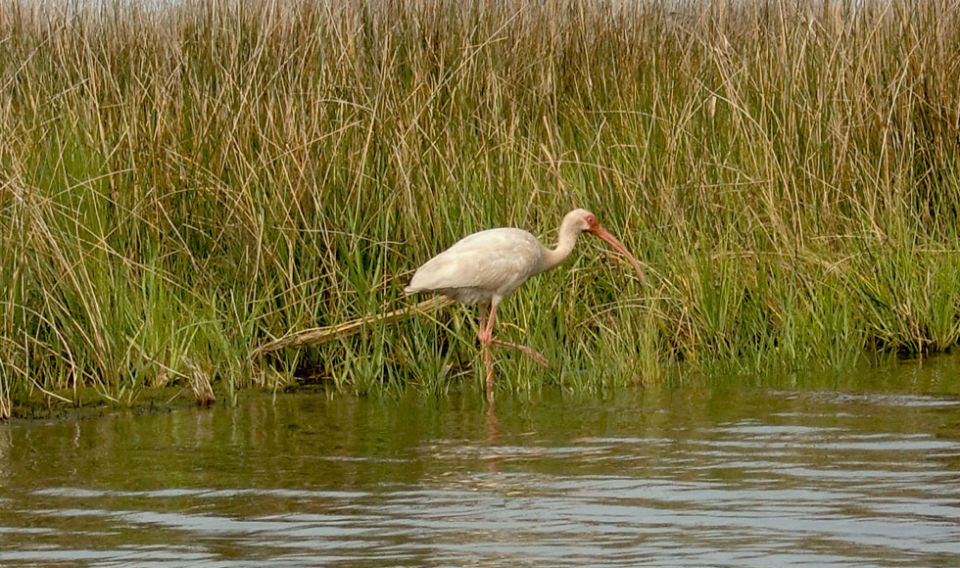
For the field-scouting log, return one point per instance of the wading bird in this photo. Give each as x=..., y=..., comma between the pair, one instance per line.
x=484, y=267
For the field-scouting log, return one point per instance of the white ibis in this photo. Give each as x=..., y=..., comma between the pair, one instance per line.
x=487, y=266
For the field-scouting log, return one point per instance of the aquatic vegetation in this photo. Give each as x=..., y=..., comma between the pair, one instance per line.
x=181, y=183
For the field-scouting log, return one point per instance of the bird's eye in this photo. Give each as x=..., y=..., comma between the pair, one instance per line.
x=591, y=220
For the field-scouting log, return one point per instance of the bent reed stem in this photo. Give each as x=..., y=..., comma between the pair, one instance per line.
x=320, y=335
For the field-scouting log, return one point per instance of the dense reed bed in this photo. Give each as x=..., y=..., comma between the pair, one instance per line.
x=181, y=182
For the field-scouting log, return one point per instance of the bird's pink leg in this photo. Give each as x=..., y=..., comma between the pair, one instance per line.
x=485, y=335
x=486, y=338
x=488, y=363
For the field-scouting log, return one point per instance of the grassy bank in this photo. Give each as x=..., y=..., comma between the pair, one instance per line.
x=181, y=184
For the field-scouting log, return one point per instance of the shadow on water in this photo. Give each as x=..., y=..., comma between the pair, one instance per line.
x=784, y=474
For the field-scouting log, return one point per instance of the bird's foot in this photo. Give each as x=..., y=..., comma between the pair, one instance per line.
x=524, y=349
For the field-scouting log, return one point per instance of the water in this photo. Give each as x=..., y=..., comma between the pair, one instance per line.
x=692, y=476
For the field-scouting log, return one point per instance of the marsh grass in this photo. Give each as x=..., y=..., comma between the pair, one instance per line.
x=182, y=182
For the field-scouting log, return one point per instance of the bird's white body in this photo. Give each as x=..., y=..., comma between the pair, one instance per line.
x=481, y=266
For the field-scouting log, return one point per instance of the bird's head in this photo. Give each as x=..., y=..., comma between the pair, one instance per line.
x=583, y=220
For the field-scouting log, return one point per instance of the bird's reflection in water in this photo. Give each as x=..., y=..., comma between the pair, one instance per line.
x=493, y=437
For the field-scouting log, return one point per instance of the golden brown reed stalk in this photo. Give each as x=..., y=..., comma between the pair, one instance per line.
x=200, y=384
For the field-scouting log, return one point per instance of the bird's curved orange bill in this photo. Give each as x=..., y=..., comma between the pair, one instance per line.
x=618, y=246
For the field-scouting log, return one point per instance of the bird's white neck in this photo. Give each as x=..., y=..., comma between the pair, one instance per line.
x=565, y=243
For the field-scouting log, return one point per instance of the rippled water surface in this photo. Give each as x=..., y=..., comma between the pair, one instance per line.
x=669, y=477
